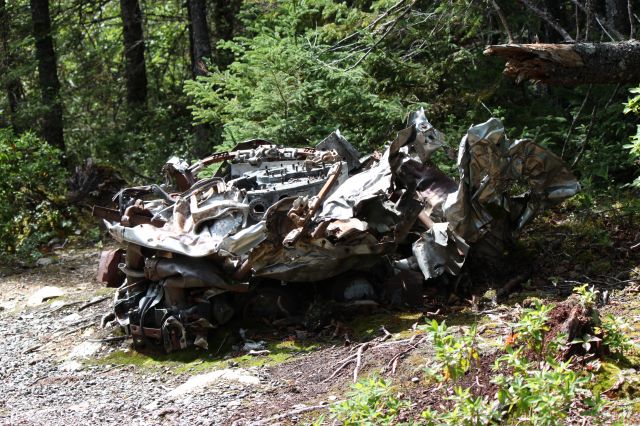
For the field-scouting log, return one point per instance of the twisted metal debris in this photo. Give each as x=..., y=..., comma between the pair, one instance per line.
x=196, y=251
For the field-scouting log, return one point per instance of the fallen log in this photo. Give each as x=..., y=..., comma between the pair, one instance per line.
x=571, y=64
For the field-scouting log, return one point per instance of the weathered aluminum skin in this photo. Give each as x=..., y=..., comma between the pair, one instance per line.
x=308, y=215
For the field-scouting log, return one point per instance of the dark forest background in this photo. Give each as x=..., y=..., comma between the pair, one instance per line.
x=99, y=93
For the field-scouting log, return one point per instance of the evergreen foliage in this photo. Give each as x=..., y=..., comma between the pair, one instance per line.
x=295, y=70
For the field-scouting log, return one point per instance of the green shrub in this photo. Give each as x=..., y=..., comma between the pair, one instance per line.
x=633, y=106
x=614, y=337
x=31, y=193
x=372, y=401
x=453, y=354
x=532, y=327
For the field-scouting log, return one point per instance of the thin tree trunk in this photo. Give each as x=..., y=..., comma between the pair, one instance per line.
x=52, y=128
x=135, y=68
x=200, y=52
x=12, y=84
x=618, y=15
x=224, y=24
x=200, y=34
x=571, y=64
x=554, y=9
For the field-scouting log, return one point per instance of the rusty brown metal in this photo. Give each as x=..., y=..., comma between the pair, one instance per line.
x=134, y=218
x=154, y=333
x=108, y=271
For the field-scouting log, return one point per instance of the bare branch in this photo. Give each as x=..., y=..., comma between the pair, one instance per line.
x=549, y=20
x=393, y=24
x=606, y=28
x=632, y=21
x=585, y=141
x=575, y=120
x=503, y=20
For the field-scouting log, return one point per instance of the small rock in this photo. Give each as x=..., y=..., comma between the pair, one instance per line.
x=85, y=350
x=44, y=261
x=250, y=345
x=44, y=294
x=57, y=304
x=415, y=380
x=71, y=318
x=70, y=366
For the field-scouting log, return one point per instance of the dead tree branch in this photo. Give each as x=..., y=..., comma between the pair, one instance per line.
x=608, y=29
x=571, y=64
x=503, y=20
x=549, y=20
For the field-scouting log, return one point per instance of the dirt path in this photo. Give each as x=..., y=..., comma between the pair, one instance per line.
x=48, y=361
x=55, y=365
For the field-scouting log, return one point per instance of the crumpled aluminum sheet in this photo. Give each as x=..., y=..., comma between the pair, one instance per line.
x=296, y=215
x=368, y=214
x=216, y=224
x=439, y=250
x=489, y=166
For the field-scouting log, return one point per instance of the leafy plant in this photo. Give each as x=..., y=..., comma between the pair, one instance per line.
x=633, y=106
x=371, y=401
x=540, y=395
x=585, y=341
x=467, y=411
x=614, y=336
x=586, y=294
x=31, y=192
x=532, y=327
x=453, y=354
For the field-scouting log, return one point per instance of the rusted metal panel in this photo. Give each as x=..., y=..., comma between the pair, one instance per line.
x=108, y=271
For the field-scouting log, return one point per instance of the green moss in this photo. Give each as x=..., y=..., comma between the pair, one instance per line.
x=606, y=377
x=368, y=326
x=194, y=360
x=103, y=291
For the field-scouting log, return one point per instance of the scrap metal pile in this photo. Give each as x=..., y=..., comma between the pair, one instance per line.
x=197, y=251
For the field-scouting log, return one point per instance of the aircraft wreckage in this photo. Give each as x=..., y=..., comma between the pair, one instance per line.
x=272, y=220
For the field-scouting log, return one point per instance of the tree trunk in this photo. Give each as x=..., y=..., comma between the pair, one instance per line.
x=554, y=9
x=224, y=23
x=571, y=64
x=12, y=84
x=200, y=50
x=48, y=74
x=618, y=16
x=135, y=68
x=200, y=35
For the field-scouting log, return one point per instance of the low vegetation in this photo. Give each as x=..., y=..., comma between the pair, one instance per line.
x=531, y=381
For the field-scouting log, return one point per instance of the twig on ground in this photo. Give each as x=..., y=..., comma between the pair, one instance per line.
x=393, y=362
x=361, y=349
x=224, y=339
x=511, y=284
x=386, y=334
x=82, y=327
x=31, y=349
x=66, y=305
x=109, y=339
x=92, y=302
